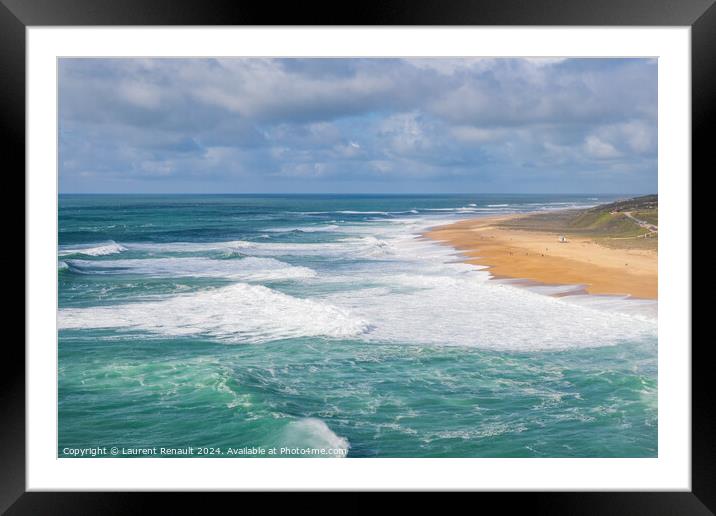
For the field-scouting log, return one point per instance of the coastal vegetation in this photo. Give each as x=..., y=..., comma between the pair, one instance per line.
x=626, y=224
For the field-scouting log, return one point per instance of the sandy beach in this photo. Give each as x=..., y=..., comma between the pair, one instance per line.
x=539, y=256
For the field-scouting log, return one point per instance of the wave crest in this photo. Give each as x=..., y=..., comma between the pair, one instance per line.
x=110, y=247
x=314, y=433
x=250, y=268
x=239, y=313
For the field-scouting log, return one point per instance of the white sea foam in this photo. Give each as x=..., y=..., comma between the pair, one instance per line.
x=347, y=247
x=388, y=285
x=244, y=269
x=642, y=308
x=239, y=313
x=313, y=433
x=367, y=247
x=242, y=246
x=470, y=311
x=103, y=249
x=349, y=212
x=352, y=212
x=472, y=208
x=426, y=297
x=306, y=229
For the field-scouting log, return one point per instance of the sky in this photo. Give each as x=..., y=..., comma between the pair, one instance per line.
x=324, y=125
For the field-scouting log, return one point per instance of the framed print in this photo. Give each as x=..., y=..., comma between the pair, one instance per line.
x=427, y=244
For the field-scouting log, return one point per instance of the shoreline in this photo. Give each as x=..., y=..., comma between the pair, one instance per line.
x=538, y=256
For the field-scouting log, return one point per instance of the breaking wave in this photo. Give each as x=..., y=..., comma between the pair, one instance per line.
x=249, y=268
x=239, y=313
x=110, y=247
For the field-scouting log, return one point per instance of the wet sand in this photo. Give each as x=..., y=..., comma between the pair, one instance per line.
x=539, y=256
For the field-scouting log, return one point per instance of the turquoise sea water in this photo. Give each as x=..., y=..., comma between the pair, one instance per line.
x=327, y=323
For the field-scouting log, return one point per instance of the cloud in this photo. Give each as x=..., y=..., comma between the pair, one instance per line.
x=600, y=149
x=471, y=134
x=246, y=124
x=140, y=94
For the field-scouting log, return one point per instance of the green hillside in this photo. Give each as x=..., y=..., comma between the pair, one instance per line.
x=628, y=223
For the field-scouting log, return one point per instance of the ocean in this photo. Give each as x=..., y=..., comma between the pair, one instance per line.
x=325, y=325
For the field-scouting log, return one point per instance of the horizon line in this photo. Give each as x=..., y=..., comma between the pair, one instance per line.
x=357, y=193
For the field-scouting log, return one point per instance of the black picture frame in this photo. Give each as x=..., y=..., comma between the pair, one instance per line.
x=16, y=15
